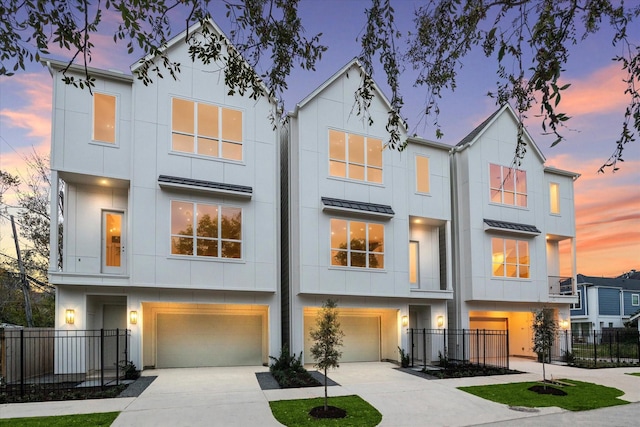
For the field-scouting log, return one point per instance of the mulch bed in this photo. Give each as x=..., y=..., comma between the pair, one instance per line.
x=331, y=412
x=267, y=382
x=541, y=389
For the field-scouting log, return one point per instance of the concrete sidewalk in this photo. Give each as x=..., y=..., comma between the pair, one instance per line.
x=232, y=397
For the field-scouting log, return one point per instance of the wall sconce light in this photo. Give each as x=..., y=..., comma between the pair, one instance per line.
x=133, y=317
x=70, y=316
x=564, y=324
x=440, y=321
x=405, y=320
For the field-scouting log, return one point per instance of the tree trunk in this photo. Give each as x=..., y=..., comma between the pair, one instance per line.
x=326, y=407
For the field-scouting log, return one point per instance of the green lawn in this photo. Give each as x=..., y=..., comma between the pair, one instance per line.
x=80, y=420
x=636, y=374
x=580, y=397
x=296, y=412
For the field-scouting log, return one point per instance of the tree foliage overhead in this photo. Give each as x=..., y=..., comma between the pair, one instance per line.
x=530, y=40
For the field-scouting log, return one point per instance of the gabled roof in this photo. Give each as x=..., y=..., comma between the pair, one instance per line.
x=354, y=63
x=476, y=133
x=614, y=282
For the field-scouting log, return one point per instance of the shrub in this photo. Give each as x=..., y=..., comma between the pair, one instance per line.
x=404, y=358
x=288, y=370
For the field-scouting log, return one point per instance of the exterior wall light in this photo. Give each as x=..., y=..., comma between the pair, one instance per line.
x=405, y=321
x=440, y=321
x=564, y=324
x=133, y=317
x=70, y=316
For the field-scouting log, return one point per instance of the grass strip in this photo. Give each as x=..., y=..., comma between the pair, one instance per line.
x=296, y=412
x=80, y=420
x=581, y=396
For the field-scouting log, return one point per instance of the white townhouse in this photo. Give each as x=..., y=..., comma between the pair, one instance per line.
x=365, y=225
x=513, y=225
x=171, y=219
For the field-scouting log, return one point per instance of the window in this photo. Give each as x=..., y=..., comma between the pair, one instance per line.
x=508, y=186
x=635, y=299
x=554, y=194
x=357, y=244
x=104, y=118
x=422, y=174
x=510, y=258
x=205, y=129
x=577, y=306
x=355, y=156
x=217, y=233
x=414, y=256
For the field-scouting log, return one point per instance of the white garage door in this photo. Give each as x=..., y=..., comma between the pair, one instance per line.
x=361, y=338
x=191, y=340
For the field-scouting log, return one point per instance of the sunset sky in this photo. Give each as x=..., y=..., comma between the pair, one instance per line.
x=607, y=205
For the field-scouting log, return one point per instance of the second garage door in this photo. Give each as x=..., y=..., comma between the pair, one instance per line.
x=361, y=338
x=192, y=340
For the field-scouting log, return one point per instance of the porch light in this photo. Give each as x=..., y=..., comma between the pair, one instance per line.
x=564, y=324
x=440, y=321
x=405, y=320
x=133, y=317
x=70, y=316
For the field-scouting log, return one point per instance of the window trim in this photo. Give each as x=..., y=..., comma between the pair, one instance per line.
x=502, y=189
x=577, y=306
x=504, y=262
x=194, y=236
x=346, y=161
x=637, y=298
x=428, y=159
x=116, y=119
x=196, y=137
x=348, y=250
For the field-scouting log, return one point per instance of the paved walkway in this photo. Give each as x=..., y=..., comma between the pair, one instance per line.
x=232, y=397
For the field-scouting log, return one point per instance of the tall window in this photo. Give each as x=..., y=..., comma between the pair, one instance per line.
x=414, y=256
x=357, y=244
x=508, y=186
x=104, y=118
x=635, y=299
x=554, y=195
x=510, y=258
x=206, y=129
x=355, y=156
x=200, y=229
x=422, y=174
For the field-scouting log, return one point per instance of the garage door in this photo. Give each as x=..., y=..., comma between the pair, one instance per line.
x=361, y=338
x=191, y=340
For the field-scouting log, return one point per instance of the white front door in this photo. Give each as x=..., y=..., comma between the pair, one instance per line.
x=113, y=239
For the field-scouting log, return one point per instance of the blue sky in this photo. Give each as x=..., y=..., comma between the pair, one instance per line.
x=607, y=206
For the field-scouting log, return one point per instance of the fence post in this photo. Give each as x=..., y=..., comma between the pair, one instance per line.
x=22, y=362
x=507, y=348
x=464, y=345
x=102, y=359
x=444, y=343
x=117, y=356
x=412, y=345
x=595, y=348
x=424, y=348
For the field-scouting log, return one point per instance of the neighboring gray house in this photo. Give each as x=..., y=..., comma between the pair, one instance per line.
x=604, y=302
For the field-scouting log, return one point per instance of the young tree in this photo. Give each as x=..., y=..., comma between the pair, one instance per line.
x=545, y=329
x=327, y=337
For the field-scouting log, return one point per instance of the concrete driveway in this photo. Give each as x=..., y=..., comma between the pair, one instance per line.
x=232, y=397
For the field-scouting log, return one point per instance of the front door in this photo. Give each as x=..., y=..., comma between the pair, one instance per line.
x=113, y=239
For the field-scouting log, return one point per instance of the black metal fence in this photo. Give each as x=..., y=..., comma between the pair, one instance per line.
x=45, y=361
x=475, y=346
x=608, y=346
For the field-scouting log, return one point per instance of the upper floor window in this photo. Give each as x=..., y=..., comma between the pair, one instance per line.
x=422, y=174
x=554, y=197
x=206, y=129
x=635, y=299
x=104, y=118
x=508, y=185
x=355, y=156
x=357, y=244
x=510, y=258
x=200, y=229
